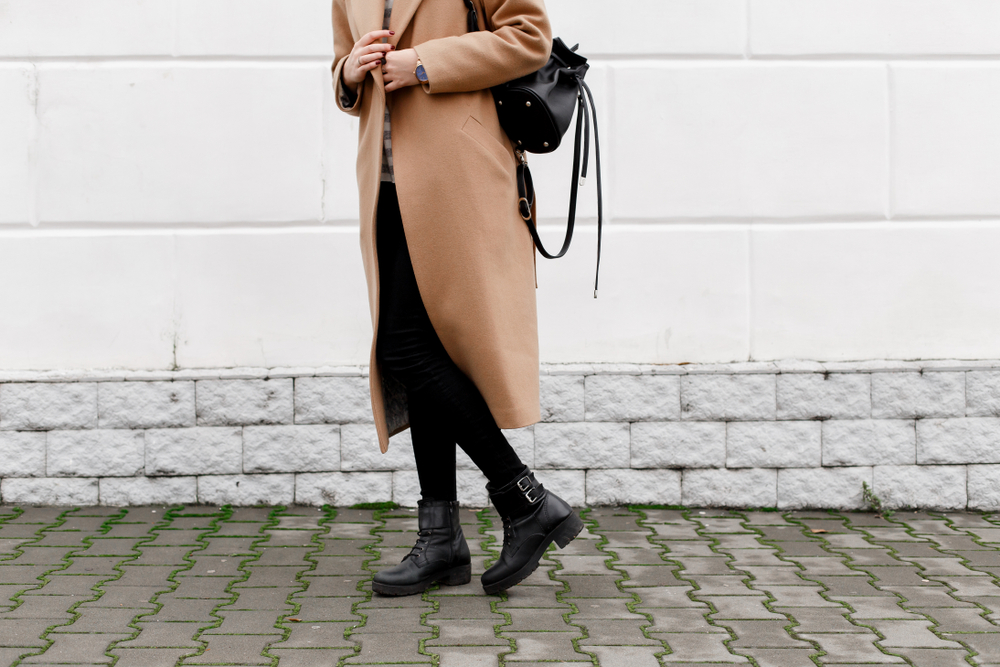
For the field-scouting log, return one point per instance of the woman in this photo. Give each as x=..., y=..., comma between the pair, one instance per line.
x=450, y=267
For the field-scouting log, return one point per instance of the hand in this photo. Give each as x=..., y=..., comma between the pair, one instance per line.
x=367, y=54
x=397, y=72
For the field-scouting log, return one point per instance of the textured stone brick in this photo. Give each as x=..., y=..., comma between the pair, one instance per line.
x=522, y=440
x=678, y=445
x=942, y=487
x=359, y=450
x=570, y=485
x=22, y=454
x=618, y=487
x=291, y=448
x=343, y=488
x=822, y=487
x=753, y=487
x=562, y=398
x=824, y=396
x=145, y=404
x=582, y=445
x=982, y=394
x=244, y=402
x=984, y=487
x=49, y=491
x=332, y=400
x=971, y=440
x=122, y=491
x=41, y=406
x=194, y=451
x=246, y=489
x=918, y=395
x=99, y=453
x=728, y=397
x=867, y=442
x=616, y=398
x=773, y=444
x=469, y=484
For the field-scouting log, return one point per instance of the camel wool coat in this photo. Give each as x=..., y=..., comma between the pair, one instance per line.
x=455, y=171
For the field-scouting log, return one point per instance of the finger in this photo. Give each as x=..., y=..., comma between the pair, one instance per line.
x=374, y=36
x=379, y=47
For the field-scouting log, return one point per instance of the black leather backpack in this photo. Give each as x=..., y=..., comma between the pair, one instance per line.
x=536, y=111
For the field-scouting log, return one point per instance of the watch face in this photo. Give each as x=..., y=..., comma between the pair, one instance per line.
x=421, y=74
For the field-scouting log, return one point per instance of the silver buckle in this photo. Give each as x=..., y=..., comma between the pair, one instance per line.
x=525, y=486
x=527, y=495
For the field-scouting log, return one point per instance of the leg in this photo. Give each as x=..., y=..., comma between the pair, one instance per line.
x=452, y=408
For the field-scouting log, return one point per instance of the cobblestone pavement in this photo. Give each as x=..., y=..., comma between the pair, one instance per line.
x=291, y=586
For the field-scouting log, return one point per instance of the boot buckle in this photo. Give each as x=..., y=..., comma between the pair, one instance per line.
x=525, y=487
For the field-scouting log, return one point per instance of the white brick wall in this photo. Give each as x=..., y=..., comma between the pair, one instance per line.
x=170, y=168
x=628, y=447
x=177, y=191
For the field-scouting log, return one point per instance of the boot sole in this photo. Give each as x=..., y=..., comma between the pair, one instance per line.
x=562, y=535
x=456, y=576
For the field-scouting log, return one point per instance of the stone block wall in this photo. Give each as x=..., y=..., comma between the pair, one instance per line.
x=782, y=434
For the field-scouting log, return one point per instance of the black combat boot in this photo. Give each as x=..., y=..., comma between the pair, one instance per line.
x=440, y=553
x=532, y=519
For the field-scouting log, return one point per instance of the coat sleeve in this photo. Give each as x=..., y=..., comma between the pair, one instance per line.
x=519, y=44
x=343, y=42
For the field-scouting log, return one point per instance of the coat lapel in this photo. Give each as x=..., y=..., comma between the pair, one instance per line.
x=402, y=12
x=368, y=14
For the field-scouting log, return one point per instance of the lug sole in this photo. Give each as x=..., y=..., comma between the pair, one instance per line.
x=562, y=535
x=456, y=576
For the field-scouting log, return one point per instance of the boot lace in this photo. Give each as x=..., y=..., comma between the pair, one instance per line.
x=423, y=540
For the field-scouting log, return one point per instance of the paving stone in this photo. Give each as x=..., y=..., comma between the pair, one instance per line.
x=175, y=609
x=698, y=648
x=743, y=607
x=477, y=632
x=529, y=620
x=80, y=586
x=234, y=650
x=878, y=607
x=384, y=648
x=99, y=620
x=912, y=634
x=934, y=657
x=667, y=597
x=626, y=656
x=763, y=634
x=784, y=657
x=261, y=599
x=762, y=577
x=849, y=649
x=149, y=657
x=136, y=597
x=322, y=657
x=464, y=656
x=798, y=596
x=986, y=645
x=591, y=586
x=24, y=632
x=329, y=586
x=959, y=620
x=547, y=646
x=41, y=606
x=674, y=620
x=84, y=648
x=164, y=635
x=326, y=634
x=824, y=620
x=203, y=588
x=925, y=596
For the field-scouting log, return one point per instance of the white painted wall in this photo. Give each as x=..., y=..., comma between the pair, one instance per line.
x=784, y=179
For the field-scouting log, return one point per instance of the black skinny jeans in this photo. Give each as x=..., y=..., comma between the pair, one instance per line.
x=445, y=406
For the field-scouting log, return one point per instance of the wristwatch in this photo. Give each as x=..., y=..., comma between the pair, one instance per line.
x=420, y=72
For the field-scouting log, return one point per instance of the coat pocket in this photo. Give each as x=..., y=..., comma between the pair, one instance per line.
x=481, y=136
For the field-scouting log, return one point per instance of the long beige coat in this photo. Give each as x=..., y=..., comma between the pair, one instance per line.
x=455, y=178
